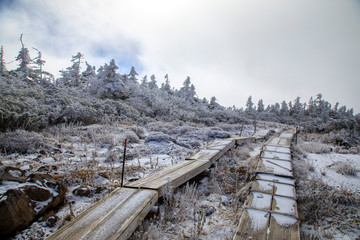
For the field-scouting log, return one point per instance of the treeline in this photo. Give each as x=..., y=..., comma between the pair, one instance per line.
x=33, y=99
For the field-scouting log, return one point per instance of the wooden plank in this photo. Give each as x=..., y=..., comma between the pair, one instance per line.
x=172, y=176
x=243, y=140
x=114, y=217
x=276, y=167
x=283, y=227
x=284, y=205
x=278, y=189
x=274, y=178
x=276, y=155
x=222, y=145
x=259, y=200
x=206, y=154
x=253, y=225
x=276, y=149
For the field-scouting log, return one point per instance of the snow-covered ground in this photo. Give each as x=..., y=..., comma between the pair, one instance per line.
x=328, y=188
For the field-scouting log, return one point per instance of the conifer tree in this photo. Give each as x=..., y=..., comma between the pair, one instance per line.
x=24, y=60
x=3, y=69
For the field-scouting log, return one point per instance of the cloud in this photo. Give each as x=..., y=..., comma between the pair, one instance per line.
x=231, y=49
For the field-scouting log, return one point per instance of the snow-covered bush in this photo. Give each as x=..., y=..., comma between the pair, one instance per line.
x=131, y=137
x=158, y=137
x=314, y=147
x=213, y=134
x=346, y=169
x=20, y=141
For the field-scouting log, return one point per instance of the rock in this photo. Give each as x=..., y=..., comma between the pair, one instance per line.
x=16, y=212
x=52, y=220
x=82, y=191
x=13, y=174
x=37, y=193
x=57, y=190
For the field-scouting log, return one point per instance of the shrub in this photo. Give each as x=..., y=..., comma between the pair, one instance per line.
x=131, y=137
x=313, y=147
x=157, y=137
x=20, y=141
x=346, y=169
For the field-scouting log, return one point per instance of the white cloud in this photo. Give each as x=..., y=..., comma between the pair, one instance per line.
x=275, y=50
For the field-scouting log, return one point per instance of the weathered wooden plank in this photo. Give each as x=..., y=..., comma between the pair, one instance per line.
x=243, y=140
x=276, y=167
x=259, y=200
x=173, y=176
x=222, y=145
x=274, y=178
x=253, y=225
x=283, y=227
x=284, y=205
x=114, y=217
x=277, y=149
x=278, y=189
x=276, y=155
x=206, y=154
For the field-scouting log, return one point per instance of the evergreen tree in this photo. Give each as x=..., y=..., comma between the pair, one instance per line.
x=249, y=105
x=152, y=84
x=261, y=107
x=166, y=86
x=132, y=75
x=24, y=60
x=144, y=82
x=71, y=76
x=284, y=110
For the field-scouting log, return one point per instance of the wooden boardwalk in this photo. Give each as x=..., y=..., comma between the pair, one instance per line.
x=270, y=211
x=117, y=215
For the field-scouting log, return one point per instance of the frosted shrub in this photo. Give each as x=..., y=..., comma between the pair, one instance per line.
x=131, y=137
x=157, y=137
x=346, y=169
x=313, y=147
x=139, y=131
x=213, y=134
x=20, y=141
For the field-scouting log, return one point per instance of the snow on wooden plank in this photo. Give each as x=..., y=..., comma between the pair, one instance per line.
x=274, y=178
x=276, y=155
x=222, y=145
x=259, y=200
x=206, y=154
x=253, y=225
x=279, y=142
x=284, y=205
x=274, y=188
x=283, y=227
x=276, y=167
x=277, y=149
x=114, y=217
x=172, y=176
x=262, y=134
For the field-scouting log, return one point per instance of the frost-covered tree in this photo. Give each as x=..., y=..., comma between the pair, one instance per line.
x=261, y=107
x=284, y=110
x=152, y=84
x=166, y=86
x=3, y=69
x=213, y=103
x=144, y=82
x=132, y=75
x=24, y=60
x=249, y=105
x=109, y=83
x=187, y=91
x=71, y=76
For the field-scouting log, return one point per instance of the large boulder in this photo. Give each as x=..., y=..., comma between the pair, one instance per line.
x=16, y=212
x=21, y=206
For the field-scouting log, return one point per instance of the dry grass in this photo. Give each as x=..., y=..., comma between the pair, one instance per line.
x=315, y=147
x=346, y=169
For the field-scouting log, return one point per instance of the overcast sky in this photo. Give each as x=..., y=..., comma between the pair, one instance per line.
x=272, y=50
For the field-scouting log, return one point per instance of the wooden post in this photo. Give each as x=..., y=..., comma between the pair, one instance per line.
x=242, y=127
x=296, y=133
x=123, y=168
